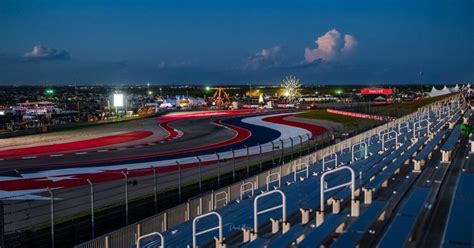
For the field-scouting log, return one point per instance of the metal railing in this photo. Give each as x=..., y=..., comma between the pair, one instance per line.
x=96, y=197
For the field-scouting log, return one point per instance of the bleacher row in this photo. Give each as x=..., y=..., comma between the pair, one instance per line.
x=459, y=231
x=298, y=219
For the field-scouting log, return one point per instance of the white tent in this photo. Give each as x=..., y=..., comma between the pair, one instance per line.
x=454, y=89
x=435, y=92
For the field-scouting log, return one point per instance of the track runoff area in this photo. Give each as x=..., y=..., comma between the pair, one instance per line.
x=29, y=171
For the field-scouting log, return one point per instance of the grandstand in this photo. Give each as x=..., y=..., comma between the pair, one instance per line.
x=372, y=190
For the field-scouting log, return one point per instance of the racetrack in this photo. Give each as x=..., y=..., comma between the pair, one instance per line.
x=192, y=135
x=208, y=146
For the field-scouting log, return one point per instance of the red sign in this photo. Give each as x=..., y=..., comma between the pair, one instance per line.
x=376, y=91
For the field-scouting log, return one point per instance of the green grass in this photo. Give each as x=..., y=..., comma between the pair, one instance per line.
x=349, y=123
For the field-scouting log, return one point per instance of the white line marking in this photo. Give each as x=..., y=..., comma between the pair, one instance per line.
x=29, y=157
x=81, y=153
x=102, y=150
x=56, y=155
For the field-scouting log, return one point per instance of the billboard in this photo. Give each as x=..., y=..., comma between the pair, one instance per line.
x=118, y=100
x=376, y=91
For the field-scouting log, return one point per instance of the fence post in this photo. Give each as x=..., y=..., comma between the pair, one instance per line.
x=92, y=208
x=107, y=241
x=51, y=195
x=273, y=154
x=200, y=178
x=233, y=165
x=126, y=196
x=248, y=162
x=301, y=144
x=260, y=155
x=292, y=148
x=155, y=189
x=179, y=180
x=282, y=151
x=218, y=170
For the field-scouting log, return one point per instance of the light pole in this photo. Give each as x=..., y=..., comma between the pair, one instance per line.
x=92, y=207
x=126, y=196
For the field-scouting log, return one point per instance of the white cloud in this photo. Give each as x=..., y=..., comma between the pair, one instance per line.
x=349, y=43
x=330, y=47
x=46, y=53
x=265, y=58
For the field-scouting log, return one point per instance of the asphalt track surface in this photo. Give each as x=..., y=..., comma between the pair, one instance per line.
x=201, y=136
x=205, y=135
x=76, y=145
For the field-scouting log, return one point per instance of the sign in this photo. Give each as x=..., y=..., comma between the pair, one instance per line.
x=376, y=91
x=118, y=100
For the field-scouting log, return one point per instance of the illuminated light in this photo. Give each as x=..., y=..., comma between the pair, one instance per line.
x=49, y=91
x=2, y=112
x=338, y=92
x=150, y=92
x=118, y=100
x=208, y=88
x=292, y=87
x=376, y=91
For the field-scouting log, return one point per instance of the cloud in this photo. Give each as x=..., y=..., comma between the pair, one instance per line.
x=46, y=53
x=267, y=57
x=330, y=47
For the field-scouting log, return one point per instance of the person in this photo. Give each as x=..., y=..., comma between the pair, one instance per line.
x=465, y=129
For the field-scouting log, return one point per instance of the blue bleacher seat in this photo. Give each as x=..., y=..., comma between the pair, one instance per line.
x=452, y=139
x=319, y=234
x=258, y=243
x=402, y=225
x=351, y=236
x=459, y=229
x=423, y=154
x=285, y=240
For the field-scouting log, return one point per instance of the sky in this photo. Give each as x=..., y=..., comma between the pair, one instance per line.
x=236, y=42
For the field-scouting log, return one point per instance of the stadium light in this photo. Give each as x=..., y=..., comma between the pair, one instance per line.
x=49, y=92
x=208, y=88
x=118, y=100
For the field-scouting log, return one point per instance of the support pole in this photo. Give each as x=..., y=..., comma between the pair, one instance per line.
x=248, y=162
x=155, y=189
x=126, y=196
x=51, y=195
x=233, y=165
x=179, y=180
x=92, y=207
x=200, y=171
x=218, y=170
x=282, y=151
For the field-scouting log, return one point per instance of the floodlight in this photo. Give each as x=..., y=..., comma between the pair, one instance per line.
x=118, y=100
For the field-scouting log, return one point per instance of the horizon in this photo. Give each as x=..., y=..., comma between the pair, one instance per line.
x=236, y=42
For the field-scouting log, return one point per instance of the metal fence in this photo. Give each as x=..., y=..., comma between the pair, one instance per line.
x=205, y=203
x=71, y=215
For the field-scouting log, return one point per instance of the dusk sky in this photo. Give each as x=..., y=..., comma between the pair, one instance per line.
x=236, y=42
